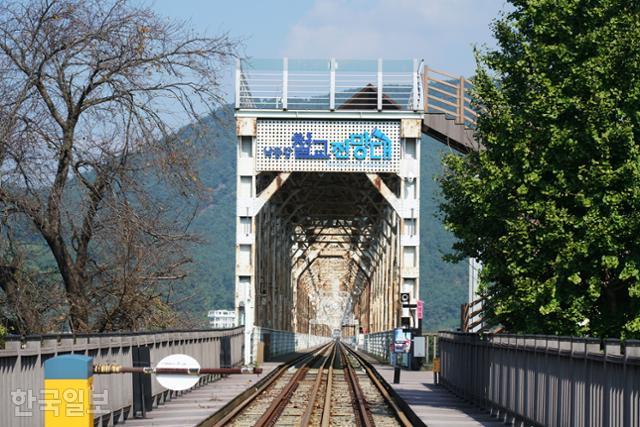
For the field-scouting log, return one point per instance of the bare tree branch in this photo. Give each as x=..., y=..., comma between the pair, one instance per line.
x=89, y=91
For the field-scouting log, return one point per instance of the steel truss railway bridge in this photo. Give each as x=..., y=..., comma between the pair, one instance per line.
x=327, y=244
x=328, y=205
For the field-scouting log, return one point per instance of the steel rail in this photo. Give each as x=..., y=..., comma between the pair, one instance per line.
x=280, y=402
x=360, y=403
x=398, y=412
x=306, y=417
x=252, y=397
x=326, y=410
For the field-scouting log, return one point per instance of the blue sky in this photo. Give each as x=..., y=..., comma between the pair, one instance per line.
x=443, y=32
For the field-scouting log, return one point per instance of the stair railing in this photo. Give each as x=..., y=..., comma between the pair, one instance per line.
x=447, y=94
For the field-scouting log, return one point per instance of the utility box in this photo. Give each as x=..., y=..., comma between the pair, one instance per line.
x=419, y=347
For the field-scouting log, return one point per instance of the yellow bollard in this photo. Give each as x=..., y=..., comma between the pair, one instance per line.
x=436, y=370
x=68, y=384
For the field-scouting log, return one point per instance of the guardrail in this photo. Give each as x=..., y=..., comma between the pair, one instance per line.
x=378, y=344
x=275, y=342
x=448, y=94
x=328, y=84
x=472, y=317
x=116, y=397
x=350, y=84
x=545, y=380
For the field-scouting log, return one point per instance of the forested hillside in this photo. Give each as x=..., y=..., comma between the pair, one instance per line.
x=211, y=283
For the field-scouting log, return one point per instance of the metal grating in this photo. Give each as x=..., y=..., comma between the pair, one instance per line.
x=335, y=145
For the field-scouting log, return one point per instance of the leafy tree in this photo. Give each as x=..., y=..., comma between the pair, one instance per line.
x=551, y=205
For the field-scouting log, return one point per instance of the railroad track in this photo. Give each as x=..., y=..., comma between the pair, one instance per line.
x=332, y=386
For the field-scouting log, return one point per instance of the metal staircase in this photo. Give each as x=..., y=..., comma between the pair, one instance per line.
x=448, y=116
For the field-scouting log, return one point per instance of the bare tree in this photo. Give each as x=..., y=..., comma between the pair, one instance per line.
x=30, y=301
x=92, y=94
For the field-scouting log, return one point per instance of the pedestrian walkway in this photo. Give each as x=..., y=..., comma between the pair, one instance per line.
x=195, y=406
x=435, y=406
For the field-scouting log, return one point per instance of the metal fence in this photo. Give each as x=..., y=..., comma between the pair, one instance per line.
x=448, y=94
x=22, y=368
x=328, y=84
x=378, y=344
x=545, y=380
x=277, y=343
x=352, y=84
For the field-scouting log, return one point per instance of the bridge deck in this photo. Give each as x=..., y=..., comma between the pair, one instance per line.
x=433, y=403
x=193, y=407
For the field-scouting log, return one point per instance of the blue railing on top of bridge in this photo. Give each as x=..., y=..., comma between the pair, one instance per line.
x=328, y=84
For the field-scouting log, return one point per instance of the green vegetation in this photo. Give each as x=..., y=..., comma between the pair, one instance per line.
x=444, y=286
x=551, y=206
x=210, y=281
x=3, y=333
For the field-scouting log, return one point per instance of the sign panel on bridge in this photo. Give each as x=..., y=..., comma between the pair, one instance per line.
x=328, y=145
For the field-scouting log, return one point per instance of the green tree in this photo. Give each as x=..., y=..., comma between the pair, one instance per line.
x=551, y=207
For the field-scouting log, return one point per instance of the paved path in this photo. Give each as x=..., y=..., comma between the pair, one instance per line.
x=432, y=403
x=435, y=406
x=196, y=405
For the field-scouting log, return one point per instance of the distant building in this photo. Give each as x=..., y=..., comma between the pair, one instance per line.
x=219, y=319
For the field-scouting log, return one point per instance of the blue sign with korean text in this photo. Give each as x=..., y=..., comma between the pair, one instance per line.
x=319, y=145
x=357, y=146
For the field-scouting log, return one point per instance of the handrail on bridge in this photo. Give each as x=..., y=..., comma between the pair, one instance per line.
x=449, y=95
x=118, y=397
x=330, y=84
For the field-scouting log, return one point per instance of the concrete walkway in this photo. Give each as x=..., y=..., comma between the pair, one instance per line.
x=435, y=406
x=195, y=406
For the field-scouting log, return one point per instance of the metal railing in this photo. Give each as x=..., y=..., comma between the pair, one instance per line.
x=378, y=344
x=277, y=343
x=22, y=371
x=328, y=84
x=544, y=380
x=448, y=94
x=472, y=317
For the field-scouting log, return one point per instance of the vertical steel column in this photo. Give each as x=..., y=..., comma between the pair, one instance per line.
x=246, y=243
x=416, y=96
x=425, y=88
x=461, y=101
x=332, y=84
x=238, y=80
x=410, y=214
x=380, y=83
x=285, y=83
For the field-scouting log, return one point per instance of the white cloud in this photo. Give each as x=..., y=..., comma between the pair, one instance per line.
x=440, y=31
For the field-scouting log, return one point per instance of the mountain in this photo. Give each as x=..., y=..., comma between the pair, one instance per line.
x=211, y=282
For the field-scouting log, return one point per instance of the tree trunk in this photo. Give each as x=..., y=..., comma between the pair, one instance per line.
x=74, y=284
x=27, y=316
x=78, y=311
